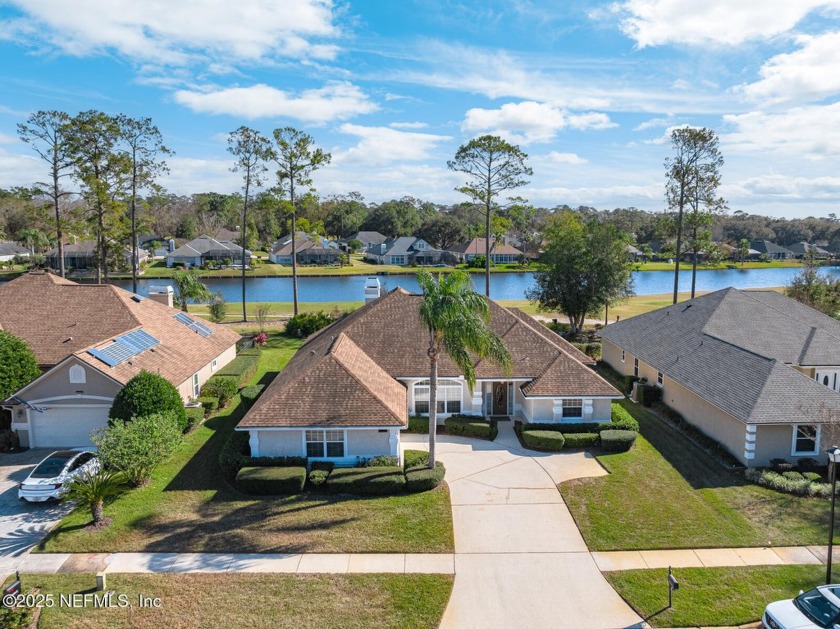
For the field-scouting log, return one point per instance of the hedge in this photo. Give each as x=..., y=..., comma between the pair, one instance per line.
x=422, y=478
x=470, y=427
x=195, y=415
x=419, y=425
x=802, y=486
x=243, y=367
x=549, y=440
x=222, y=387
x=382, y=460
x=318, y=478
x=415, y=458
x=368, y=481
x=622, y=419
x=580, y=439
x=250, y=394
x=236, y=454
x=618, y=440
x=270, y=481
x=649, y=394
x=306, y=323
x=210, y=404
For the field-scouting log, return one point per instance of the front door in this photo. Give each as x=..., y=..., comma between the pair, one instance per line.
x=500, y=402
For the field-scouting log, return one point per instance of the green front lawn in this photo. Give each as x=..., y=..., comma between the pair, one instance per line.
x=668, y=493
x=253, y=600
x=189, y=507
x=712, y=596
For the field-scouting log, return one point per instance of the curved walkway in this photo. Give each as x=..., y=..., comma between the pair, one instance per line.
x=520, y=560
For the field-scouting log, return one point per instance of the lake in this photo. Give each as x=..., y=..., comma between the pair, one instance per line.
x=502, y=285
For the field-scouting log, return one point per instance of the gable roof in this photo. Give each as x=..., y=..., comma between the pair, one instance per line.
x=12, y=249
x=402, y=245
x=476, y=246
x=768, y=247
x=204, y=245
x=59, y=318
x=367, y=238
x=734, y=349
x=802, y=248
x=283, y=245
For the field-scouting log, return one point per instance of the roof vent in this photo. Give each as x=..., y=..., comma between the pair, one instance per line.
x=137, y=298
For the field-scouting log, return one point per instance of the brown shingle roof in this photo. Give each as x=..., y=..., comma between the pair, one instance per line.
x=57, y=318
x=476, y=246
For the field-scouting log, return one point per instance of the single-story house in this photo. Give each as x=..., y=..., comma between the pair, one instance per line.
x=11, y=250
x=81, y=256
x=89, y=341
x=500, y=253
x=309, y=250
x=367, y=238
x=754, y=370
x=404, y=250
x=771, y=250
x=348, y=392
x=803, y=249
x=634, y=254
x=204, y=249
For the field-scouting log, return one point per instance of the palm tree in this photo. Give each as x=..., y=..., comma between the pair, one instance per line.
x=457, y=319
x=188, y=286
x=92, y=488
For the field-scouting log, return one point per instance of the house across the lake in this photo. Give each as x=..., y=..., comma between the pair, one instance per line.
x=404, y=250
x=89, y=341
x=11, y=250
x=348, y=392
x=311, y=249
x=204, y=249
x=755, y=370
x=500, y=252
x=81, y=256
x=771, y=250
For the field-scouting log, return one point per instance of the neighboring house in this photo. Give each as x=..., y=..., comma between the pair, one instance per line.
x=634, y=254
x=205, y=249
x=11, y=250
x=803, y=249
x=404, y=250
x=310, y=250
x=349, y=390
x=90, y=340
x=81, y=256
x=771, y=250
x=754, y=370
x=366, y=238
x=500, y=253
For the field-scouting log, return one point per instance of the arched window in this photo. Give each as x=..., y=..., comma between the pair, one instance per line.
x=78, y=375
x=449, y=393
x=825, y=380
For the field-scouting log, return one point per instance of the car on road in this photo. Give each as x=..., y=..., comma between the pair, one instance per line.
x=50, y=478
x=816, y=608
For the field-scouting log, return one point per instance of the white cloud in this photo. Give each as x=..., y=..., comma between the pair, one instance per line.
x=777, y=187
x=381, y=145
x=810, y=133
x=564, y=158
x=8, y=139
x=530, y=121
x=806, y=74
x=335, y=101
x=654, y=123
x=177, y=32
x=408, y=125
x=658, y=22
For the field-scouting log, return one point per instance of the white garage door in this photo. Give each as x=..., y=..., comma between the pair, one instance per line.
x=66, y=426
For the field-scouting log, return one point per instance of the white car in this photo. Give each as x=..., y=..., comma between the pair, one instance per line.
x=48, y=481
x=817, y=608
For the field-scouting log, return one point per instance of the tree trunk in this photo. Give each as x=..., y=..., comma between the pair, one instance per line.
x=100, y=247
x=433, y=370
x=134, y=227
x=59, y=233
x=96, y=512
x=694, y=265
x=242, y=243
x=679, y=243
x=294, y=251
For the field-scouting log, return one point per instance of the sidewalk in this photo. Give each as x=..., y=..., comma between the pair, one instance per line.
x=711, y=557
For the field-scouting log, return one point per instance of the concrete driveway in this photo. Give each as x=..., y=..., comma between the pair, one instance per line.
x=22, y=524
x=520, y=560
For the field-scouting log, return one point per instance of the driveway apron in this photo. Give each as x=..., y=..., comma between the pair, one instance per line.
x=520, y=560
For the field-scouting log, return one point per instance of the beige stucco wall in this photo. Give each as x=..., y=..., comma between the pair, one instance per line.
x=367, y=443
x=281, y=443
x=56, y=383
x=776, y=441
x=542, y=410
x=611, y=354
x=186, y=387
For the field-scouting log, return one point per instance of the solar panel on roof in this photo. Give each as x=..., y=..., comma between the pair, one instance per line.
x=192, y=324
x=124, y=347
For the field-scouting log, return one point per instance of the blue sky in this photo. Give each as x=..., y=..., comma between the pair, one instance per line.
x=589, y=90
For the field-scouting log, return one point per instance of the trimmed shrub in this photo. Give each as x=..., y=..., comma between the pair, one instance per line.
x=271, y=481
x=622, y=419
x=806, y=465
x=779, y=482
x=628, y=383
x=308, y=323
x=242, y=368
x=366, y=481
x=793, y=475
x=236, y=454
x=580, y=439
x=250, y=394
x=814, y=477
x=221, y=387
x=209, y=403
x=415, y=458
x=318, y=478
x=145, y=394
x=618, y=440
x=136, y=447
x=422, y=478
x=548, y=440
x=195, y=415
x=419, y=425
x=324, y=466
x=470, y=427
x=649, y=394
x=781, y=465
x=380, y=461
